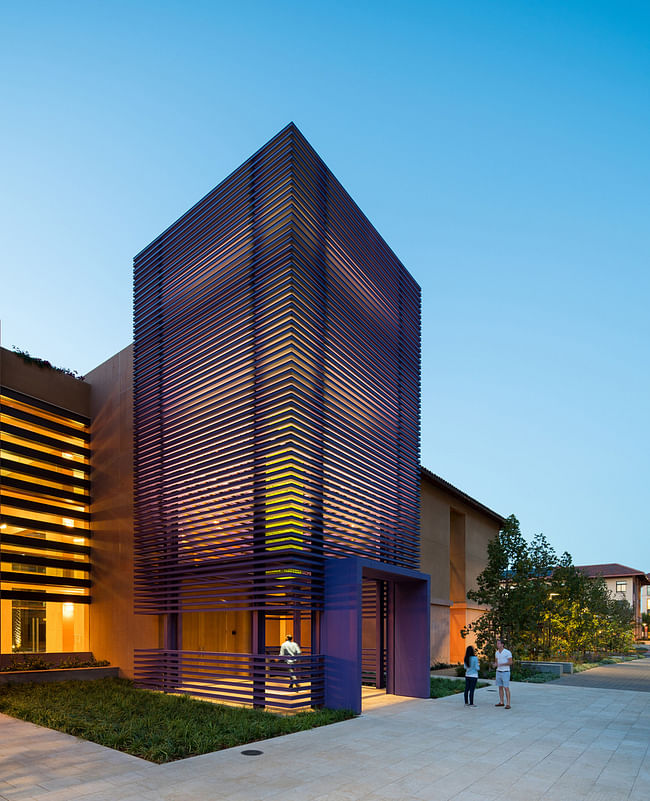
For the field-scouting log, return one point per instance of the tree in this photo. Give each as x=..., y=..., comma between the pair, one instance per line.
x=513, y=584
x=542, y=605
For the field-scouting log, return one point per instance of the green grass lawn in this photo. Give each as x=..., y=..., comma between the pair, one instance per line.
x=441, y=687
x=154, y=726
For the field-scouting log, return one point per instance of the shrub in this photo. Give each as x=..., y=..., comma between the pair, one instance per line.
x=441, y=687
x=29, y=662
x=486, y=670
x=35, y=360
x=80, y=663
x=146, y=724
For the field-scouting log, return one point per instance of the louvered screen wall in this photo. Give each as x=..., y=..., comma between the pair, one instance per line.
x=276, y=393
x=44, y=525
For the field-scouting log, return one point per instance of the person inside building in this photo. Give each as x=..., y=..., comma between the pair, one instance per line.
x=290, y=650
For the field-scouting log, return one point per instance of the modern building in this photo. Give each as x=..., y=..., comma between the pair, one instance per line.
x=248, y=468
x=276, y=400
x=624, y=583
x=44, y=509
x=455, y=530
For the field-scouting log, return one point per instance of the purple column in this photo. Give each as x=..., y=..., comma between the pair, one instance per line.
x=341, y=630
x=341, y=634
x=411, y=655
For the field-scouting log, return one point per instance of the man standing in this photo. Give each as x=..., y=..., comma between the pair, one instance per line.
x=290, y=650
x=502, y=662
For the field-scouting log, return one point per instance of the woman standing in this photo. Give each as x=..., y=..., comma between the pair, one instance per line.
x=471, y=675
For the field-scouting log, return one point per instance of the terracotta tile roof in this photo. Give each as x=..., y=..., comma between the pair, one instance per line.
x=612, y=570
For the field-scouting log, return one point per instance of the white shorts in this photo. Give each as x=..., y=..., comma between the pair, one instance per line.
x=503, y=678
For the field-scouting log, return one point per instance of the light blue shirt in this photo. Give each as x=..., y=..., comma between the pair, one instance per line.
x=472, y=671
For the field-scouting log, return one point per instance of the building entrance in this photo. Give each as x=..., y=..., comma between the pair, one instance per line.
x=28, y=626
x=397, y=638
x=374, y=652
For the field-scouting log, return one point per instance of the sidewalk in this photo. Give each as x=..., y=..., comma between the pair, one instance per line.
x=633, y=675
x=557, y=743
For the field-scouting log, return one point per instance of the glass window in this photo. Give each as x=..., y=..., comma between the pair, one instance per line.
x=28, y=626
x=621, y=586
x=52, y=626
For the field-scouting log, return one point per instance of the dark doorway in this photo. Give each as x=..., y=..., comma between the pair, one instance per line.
x=374, y=651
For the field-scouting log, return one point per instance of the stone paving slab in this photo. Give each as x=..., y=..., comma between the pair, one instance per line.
x=557, y=743
x=633, y=675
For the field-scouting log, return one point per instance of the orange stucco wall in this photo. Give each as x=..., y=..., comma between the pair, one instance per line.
x=114, y=628
x=453, y=551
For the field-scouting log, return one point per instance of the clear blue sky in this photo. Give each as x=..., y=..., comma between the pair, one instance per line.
x=501, y=149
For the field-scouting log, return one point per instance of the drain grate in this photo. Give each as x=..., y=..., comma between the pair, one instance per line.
x=252, y=752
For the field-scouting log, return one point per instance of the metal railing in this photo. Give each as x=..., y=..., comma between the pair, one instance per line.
x=249, y=679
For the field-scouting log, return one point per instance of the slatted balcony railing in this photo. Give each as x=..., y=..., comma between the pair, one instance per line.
x=250, y=679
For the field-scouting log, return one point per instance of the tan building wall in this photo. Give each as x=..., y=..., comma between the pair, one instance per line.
x=628, y=594
x=455, y=531
x=632, y=594
x=114, y=628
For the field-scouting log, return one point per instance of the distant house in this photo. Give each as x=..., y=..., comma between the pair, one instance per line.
x=454, y=533
x=645, y=596
x=625, y=584
x=645, y=604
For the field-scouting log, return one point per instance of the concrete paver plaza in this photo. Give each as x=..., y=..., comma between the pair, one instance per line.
x=559, y=742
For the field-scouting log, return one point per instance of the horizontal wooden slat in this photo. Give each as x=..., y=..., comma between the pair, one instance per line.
x=52, y=597
x=254, y=679
x=25, y=541
x=39, y=403
x=276, y=393
x=38, y=560
x=38, y=578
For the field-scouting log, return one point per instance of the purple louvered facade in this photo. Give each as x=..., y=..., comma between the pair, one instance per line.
x=277, y=374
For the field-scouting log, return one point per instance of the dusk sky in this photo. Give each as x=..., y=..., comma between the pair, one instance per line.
x=500, y=148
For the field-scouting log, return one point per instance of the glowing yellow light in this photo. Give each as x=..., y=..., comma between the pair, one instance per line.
x=68, y=610
x=78, y=540
x=282, y=573
x=68, y=522
x=4, y=525
x=67, y=455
